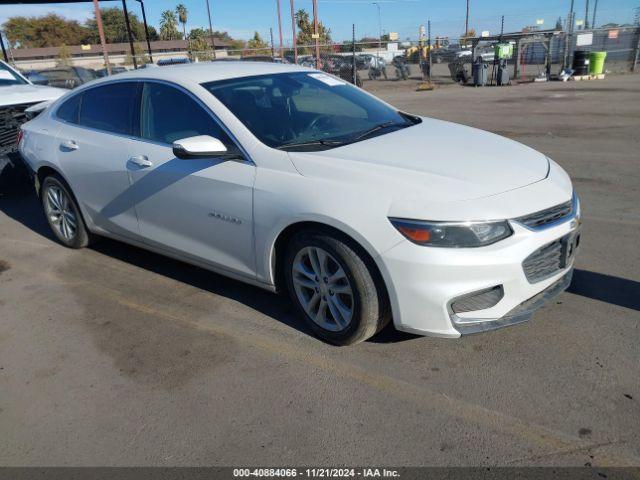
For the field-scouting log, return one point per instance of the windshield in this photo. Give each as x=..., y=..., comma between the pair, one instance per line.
x=306, y=110
x=9, y=77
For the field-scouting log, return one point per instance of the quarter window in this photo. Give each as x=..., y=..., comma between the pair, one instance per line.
x=70, y=109
x=110, y=107
x=168, y=115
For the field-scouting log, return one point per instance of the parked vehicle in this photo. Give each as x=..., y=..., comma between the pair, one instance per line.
x=17, y=95
x=401, y=67
x=68, y=77
x=291, y=179
x=163, y=62
x=35, y=78
x=263, y=58
x=103, y=72
x=377, y=68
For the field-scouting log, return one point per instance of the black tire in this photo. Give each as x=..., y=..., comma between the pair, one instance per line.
x=371, y=311
x=83, y=237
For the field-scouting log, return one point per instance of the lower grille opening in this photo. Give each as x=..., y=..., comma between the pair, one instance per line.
x=480, y=300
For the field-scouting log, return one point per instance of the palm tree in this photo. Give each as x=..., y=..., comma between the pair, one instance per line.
x=169, y=26
x=181, y=10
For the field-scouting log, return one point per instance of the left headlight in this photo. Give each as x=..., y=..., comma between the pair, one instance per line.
x=452, y=234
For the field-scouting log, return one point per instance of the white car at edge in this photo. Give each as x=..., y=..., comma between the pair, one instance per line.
x=290, y=179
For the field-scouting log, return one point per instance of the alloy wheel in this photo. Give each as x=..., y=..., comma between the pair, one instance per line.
x=323, y=289
x=60, y=212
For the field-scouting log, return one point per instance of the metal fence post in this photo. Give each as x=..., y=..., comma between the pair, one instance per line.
x=128, y=25
x=637, y=52
x=429, y=49
x=353, y=52
x=4, y=51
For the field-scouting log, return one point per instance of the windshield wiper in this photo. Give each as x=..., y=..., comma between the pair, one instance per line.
x=375, y=128
x=310, y=143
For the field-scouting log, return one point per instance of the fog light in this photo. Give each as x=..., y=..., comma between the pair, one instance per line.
x=479, y=300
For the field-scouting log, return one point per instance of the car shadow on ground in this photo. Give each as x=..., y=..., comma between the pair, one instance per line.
x=22, y=205
x=606, y=288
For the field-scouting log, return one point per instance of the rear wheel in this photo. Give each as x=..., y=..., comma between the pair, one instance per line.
x=63, y=214
x=335, y=288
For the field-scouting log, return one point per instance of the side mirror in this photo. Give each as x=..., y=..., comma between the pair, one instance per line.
x=201, y=146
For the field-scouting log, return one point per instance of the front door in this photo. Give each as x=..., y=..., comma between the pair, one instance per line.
x=201, y=208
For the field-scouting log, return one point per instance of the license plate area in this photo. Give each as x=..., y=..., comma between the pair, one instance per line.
x=570, y=244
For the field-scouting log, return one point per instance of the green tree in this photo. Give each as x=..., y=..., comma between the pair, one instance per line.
x=306, y=31
x=47, y=31
x=258, y=46
x=115, y=28
x=199, y=45
x=169, y=26
x=181, y=11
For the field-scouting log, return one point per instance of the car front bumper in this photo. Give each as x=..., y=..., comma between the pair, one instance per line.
x=423, y=282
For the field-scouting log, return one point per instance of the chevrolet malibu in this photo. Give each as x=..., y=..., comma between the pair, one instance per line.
x=290, y=179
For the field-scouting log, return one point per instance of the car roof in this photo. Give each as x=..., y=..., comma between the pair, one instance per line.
x=211, y=71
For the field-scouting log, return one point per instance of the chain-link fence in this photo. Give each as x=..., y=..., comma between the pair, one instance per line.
x=536, y=55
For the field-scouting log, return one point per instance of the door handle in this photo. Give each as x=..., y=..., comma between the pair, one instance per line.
x=69, y=145
x=141, y=161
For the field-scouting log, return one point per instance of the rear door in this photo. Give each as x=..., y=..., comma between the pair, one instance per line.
x=199, y=207
x=93, y=148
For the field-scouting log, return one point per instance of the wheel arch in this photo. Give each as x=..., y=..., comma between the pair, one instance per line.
x=278, y=250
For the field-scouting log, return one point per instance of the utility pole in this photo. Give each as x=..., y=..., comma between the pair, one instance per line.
x=316, y=34
x=213, y=40
x=280, y=29
x=128, y=25
x=568, y=37
x=293, y=29
x=466, y=23
x=593, y=18
x=103, y=42
x=586, y=16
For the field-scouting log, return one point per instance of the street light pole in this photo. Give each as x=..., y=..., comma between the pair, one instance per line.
x=593, y=18
x=586, y=16
x=213, y=41
x=379, y=29
x=316, y=34
x=280, y=29
x=293, y=29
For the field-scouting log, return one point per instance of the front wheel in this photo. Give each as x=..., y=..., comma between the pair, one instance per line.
x=63, y=214
x=335, y=288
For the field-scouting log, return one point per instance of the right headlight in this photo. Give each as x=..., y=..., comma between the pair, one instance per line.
x=452, y=234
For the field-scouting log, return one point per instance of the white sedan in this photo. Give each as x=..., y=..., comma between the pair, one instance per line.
x=293, y=180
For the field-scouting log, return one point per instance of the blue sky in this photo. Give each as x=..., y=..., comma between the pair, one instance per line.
x=242, y=17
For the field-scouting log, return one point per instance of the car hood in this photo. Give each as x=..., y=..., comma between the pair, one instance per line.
x=437, y=160
x=19, y=94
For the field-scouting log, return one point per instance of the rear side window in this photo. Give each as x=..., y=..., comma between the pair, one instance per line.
x=169, y=114
x=111, y=108
x=70, y=109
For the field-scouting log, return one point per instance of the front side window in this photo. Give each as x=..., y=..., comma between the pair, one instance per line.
x=112, y=107
x=306, y=110
x=169, y=114
x=9, y=77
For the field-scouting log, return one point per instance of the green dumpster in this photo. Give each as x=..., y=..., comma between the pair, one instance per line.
x=596, y=62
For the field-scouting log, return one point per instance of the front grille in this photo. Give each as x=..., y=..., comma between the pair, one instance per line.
x=544, y=262
x=11, y=118
x=547, y=216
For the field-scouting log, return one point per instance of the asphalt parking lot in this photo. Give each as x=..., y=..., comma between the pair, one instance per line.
x=116, y=356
